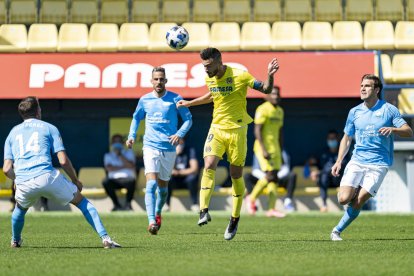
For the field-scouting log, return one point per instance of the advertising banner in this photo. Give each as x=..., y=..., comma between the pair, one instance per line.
x=127, y=75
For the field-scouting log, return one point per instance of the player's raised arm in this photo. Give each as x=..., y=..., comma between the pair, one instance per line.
x=205, y=99
x=267, y=86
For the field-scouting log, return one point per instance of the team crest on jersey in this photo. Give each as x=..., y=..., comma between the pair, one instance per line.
x=210, y=137
x=229, y=80
x=378, y=113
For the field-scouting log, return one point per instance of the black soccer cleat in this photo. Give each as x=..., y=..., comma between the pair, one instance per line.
x=231, y=229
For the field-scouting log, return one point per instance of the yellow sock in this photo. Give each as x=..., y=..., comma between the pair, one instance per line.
x=238, y=192
x=272, y=188
x=207, y=187
x=258, y=188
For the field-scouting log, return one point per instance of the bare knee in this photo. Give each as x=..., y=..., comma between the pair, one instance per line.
x=77, y=198
x=236, y=175
x=344, y=199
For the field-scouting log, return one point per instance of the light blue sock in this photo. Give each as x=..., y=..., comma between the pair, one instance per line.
x=17, y=220
x=150, y=200
x=91, y=214
x=161, y=198
x=349, y=216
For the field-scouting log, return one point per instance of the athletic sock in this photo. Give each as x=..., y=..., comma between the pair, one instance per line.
x=237, y=192
x=272, y=188
x=17, y=220
x=258, y=188
x=348, y=217
x=150, y=200
x=207, y=187
x=161, y=198
x=91, y=215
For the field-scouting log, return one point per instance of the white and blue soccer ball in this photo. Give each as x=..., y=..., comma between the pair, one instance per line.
x=177, y=37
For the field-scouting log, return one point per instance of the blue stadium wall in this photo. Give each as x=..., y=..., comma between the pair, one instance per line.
x=84, y=124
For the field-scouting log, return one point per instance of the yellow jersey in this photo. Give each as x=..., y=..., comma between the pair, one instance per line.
x=271, y=118
x=229, y=98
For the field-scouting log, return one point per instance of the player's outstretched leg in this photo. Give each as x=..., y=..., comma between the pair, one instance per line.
x=92, y=217
x=150, y=205
x=162, y=193
x=17, y=220
x=206, y=190
x=350, y=215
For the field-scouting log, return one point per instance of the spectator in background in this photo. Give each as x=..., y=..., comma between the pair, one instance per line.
x=327, y=159
x=286, y=179
x=120, y=166
x=185, y=173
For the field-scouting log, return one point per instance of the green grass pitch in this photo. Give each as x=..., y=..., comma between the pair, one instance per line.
x=63, y=244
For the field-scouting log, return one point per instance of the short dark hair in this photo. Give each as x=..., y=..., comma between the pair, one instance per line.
x=28, y=107
x=158, y=69
x=277, y=88
x=117, y=136
x=210, y=53
x=377, y=82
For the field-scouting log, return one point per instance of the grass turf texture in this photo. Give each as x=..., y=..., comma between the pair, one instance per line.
x=63, y=243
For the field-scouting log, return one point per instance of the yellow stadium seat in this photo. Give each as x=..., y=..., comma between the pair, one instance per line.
x=406, y=101
x=207, y=11
x=403, y=68
x=298, y=10
x=386, y=67
x=54, y=11
x=359, y=10
x=91, y=178
x=236, y=11
x=5, y=182
x=84, y=11
x=347, y=35
x=409, y=10
x=157, y=37
x=379, y=35
x=13, y=38
x=389, y=10
x=42, y=38
x=23, y=11
x=255, y=36
x=317, y=36
x=301, y=180
x=146, y=11
x=267, y=10
x=225, y=36
x=176, y=11
x=133, y=37
x=73, y=37
x=286, y=36
x=103, y=37
x=3, y=11
x=114, y=11
x=404, y=35
x=328, y=10
x=199, y=36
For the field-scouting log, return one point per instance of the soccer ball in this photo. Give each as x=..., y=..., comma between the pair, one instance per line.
x=177, y=37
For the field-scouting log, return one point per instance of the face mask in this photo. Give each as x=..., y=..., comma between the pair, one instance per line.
x=117, y=146
x=332, y=144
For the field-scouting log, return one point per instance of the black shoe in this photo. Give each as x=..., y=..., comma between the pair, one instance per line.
x=231, y=229
x=204, y=217
x=116, y=208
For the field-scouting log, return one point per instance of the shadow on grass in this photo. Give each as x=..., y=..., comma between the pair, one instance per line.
x=80, y=247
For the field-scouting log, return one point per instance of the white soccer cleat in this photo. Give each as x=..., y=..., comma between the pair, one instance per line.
x=231, y=229
x=336, y=235
x=204, y=218
x=108, y=243
x=16, y=244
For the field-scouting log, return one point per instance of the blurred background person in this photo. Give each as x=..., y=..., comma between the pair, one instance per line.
x=120, y=166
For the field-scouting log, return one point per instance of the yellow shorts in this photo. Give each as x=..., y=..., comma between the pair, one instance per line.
x=267, y=165
x=233, y=142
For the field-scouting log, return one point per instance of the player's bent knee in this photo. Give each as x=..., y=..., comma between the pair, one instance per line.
x=77, y=198
x=344, y=199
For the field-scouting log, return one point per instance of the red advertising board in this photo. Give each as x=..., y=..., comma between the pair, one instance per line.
x=127, y=75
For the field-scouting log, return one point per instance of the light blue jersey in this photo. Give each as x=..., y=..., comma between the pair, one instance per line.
x=29, y=146
x=363, y=123
x=161, y=120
